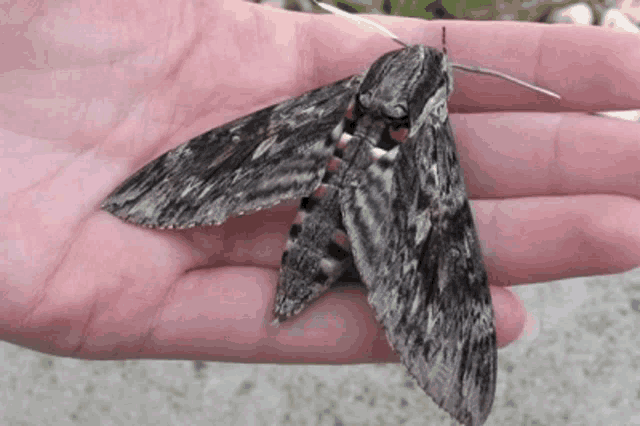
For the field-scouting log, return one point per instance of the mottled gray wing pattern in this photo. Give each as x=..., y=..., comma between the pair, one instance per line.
x=416, y=248
x=276, y=154
x=405, y=211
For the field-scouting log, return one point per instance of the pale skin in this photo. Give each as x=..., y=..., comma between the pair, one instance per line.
x=90, y=94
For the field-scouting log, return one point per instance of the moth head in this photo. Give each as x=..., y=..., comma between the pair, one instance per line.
x=400, y=83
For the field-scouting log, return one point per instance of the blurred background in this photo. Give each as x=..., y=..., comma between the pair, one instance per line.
x=480, y=10
x=578, y=363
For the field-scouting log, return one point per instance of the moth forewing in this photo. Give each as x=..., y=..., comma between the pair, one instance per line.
x=276, y=154
x=425, y=272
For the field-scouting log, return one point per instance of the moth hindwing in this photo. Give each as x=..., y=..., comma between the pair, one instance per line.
x=398, y=211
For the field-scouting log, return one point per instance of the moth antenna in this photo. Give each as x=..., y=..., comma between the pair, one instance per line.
x=444, y=40
x=498, y=74
x=468, y=68
x=339, y=12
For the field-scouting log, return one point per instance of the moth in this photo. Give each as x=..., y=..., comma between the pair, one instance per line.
x=395, y=209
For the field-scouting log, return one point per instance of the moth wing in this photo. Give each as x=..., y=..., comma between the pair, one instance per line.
x=417, y=250
x=276, y=154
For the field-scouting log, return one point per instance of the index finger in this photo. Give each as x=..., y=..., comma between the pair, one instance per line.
x=592, y=68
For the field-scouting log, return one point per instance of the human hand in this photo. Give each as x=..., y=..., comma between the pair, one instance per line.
x=101, y=92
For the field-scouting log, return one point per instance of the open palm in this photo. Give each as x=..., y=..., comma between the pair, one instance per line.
x=90, y=94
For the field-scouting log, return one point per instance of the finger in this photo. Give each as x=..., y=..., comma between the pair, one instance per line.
x=531, y=154
x=510, y=315
x=548, y=238
x=590, y=67
x=225, y=314
x=332, y=329
x=525, y=240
